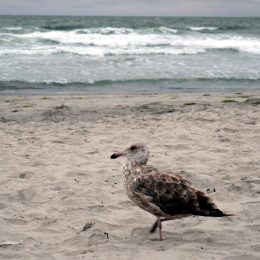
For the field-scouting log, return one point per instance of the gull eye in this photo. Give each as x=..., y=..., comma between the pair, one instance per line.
x=134, y=147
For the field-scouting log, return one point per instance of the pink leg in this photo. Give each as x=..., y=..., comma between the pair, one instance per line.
x=160, y=228
x=155, y=225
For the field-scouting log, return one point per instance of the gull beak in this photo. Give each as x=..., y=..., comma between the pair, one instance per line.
x=116, y=155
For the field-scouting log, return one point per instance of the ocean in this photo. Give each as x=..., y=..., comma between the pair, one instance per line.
x=41, y=54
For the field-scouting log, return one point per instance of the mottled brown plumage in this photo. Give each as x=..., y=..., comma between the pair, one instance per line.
x=162, y=193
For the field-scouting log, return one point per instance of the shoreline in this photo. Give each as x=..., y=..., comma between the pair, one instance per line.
x=113, y=92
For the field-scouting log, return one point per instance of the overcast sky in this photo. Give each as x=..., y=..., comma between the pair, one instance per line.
x=132, y=7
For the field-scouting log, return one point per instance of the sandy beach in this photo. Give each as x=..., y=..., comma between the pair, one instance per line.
x=61, y=197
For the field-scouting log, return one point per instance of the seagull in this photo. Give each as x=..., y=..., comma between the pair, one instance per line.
x=164, y=194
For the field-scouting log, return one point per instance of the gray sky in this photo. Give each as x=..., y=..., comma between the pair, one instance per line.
x=132, y=7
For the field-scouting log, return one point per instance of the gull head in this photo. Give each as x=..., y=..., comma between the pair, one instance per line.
x=136, y=153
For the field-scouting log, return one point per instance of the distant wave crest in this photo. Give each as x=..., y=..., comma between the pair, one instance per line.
x=203, y=28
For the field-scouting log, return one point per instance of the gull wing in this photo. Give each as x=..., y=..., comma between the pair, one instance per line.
x=173, y=194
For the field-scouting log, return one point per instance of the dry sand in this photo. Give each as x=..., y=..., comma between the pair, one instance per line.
x=56, y=175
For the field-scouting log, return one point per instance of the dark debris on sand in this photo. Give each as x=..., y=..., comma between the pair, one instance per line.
x=87, y=226
x=253, y=101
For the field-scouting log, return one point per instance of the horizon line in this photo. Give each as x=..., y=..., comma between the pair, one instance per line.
x=99, y=15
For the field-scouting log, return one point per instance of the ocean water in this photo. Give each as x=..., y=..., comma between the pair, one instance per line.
x=128, y=54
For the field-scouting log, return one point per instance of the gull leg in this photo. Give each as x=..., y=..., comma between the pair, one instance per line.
x=155, y=225
x=160, y=228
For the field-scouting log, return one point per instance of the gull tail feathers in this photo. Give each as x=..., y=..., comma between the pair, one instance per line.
x=207, y=207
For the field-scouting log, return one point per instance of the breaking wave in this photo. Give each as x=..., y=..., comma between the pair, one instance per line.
x=124, y=42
